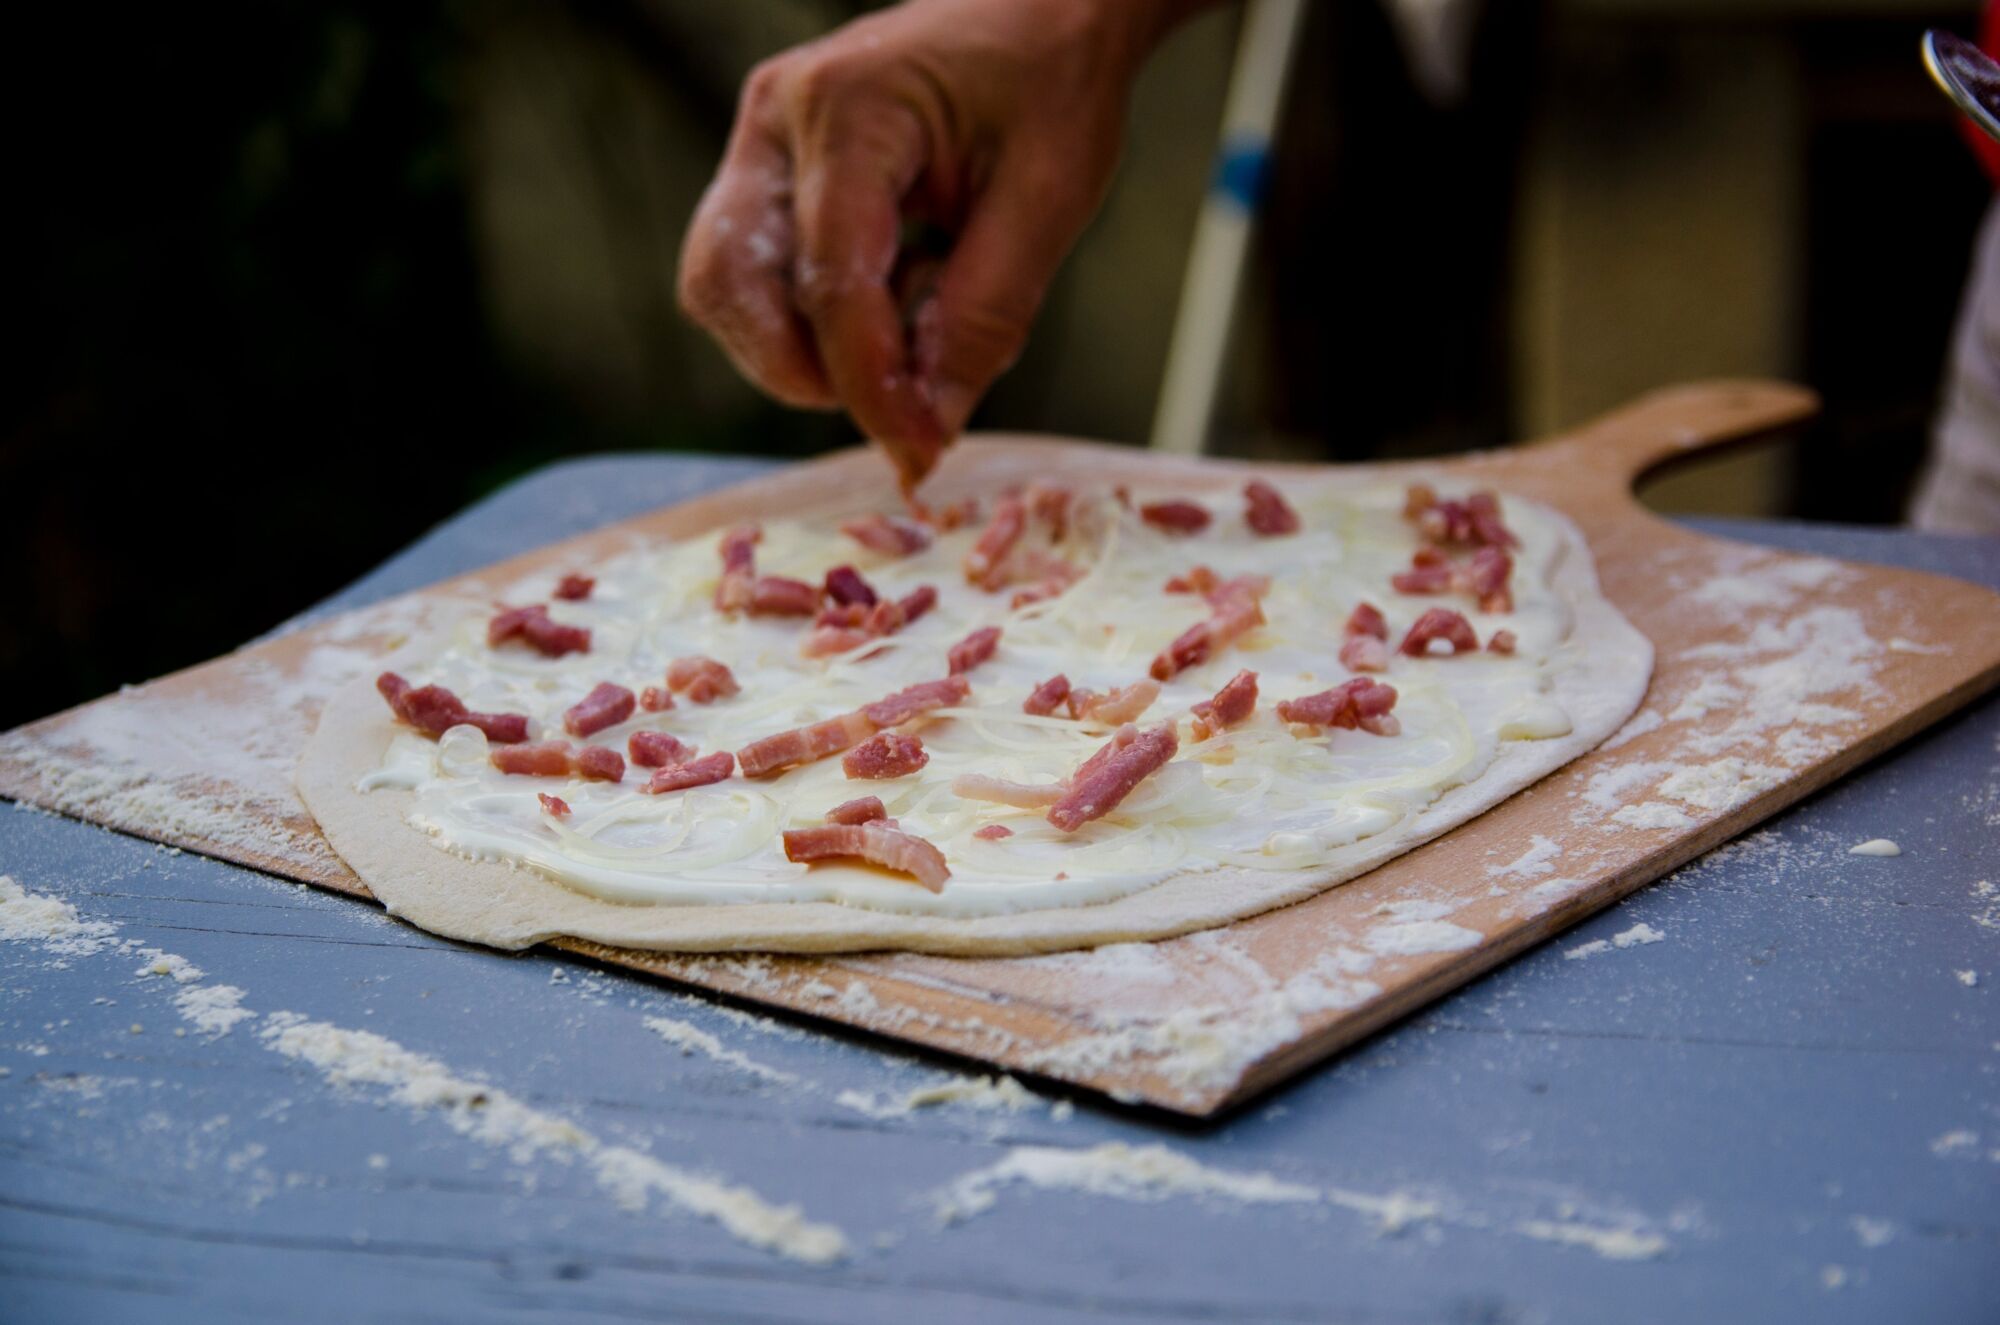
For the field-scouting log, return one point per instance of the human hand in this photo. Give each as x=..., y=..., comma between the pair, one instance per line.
x=995, y=121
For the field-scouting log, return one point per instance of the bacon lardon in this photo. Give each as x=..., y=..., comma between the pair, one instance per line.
x=1234, y=607
x=555, y=806
x=1043, y=700
x=920, y=698
x=538, y=629
x=1266, y=511
x=775, y=595
x=885, y=755
x=1199, y=580
x=1430, y=572
x=860, y=810
x=434, y=711
x=1232, y=704
x=1108, y=777
x=1178, y=518
x=1502, y=642
x=1361, y=703
x=1000, y=791
x=658, y=749
x=973, y=650
x=888, y=535
x=917, y=602
x=993, y=832
x=738, y=586
x=804, y=745
x=891, y=848
x=1439, y=623
x=1487, y=579
x=1049, y=505
x=983, y=562
x=598, y=763
x=1115, y=707
x=1364, y=653
x=656, y=699
x=847, y=587
x=573, y=587
x=700, y=772
x=1476, y=520
x=701, y=680
x=1367, y=619
x=542, y=759
x=606, y=705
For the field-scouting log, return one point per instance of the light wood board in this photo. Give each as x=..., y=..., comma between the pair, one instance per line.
x=202, y=760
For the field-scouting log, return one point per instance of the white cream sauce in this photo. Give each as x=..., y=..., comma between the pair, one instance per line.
x=1256, y=797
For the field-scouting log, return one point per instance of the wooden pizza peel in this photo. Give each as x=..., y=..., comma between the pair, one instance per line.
x=202, y=759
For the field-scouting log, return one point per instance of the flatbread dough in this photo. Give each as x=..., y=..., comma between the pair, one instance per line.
x=509, y=906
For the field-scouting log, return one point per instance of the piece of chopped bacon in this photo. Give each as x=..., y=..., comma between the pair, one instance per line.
x=538, y=629
x=888, y=534
x=993, y=832
x=1046, y=696
x=694, y=773
x=701, y=680
x=658, y=749
x=860, y=810
x=1049, y=505
x=542, y=759
x=846, y=587
x=1361, y=703
x=598, y=763
x=1440, y=623
x=573, y=587
x=1430, y=572
x=885, y=755
x=899, y=708
x=1364, y=653
x=1487, y=579
x=776, y=595
x=803, y=745
x=1266, y=511
x=974, y=649
x=848, y=616
x=1108, y=777
x=606, y=705
x=891, y=848
x=1502, y=642
x=1115, y=707
x=917, y=602
x=738, y=549
x=434, y=710
x=1367, y=619
x=1200, y=580
x=1231, y=705
x=1418, y=498
x=952, y=515
x=1476, y=520
x=999, y=791
x=1483, y=511
x=554, y=805
x=824, y=641
x=1235, y=606
x=656, y=699
x=983, y=562
x=1175, y=517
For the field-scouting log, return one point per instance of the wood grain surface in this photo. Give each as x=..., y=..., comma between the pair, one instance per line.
x=1208, y=1020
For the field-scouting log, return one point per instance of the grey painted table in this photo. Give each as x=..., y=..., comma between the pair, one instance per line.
x=1789, y=1099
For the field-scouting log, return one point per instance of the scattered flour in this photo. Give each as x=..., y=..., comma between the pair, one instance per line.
x=212, y=1009
x=1969, y=979
x=491, y=1116
x=1617, y=1244
x=1590, y=949
x=1638, y=934
x=1536, y=861
x=1721, y=784
x=1872, y=1233
x=1652, y=814
x=691, y=1039
x=1955, y=1142
x=1875, y=846
x=1645, y=720
x=1129, y=1173
x=1421, y=936
x=52, y=923
x=167, y=963
x=1001, y=1093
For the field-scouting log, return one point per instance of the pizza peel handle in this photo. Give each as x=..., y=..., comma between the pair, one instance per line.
x=1611, y=452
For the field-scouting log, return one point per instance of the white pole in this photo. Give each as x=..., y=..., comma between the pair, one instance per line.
x=1222, y=233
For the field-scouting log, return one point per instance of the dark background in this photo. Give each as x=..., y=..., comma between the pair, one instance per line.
x=291, y=283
